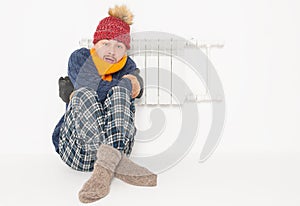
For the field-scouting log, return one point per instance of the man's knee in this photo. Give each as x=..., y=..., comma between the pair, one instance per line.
x=82, y=95
x=119, y=92
x=84, y=91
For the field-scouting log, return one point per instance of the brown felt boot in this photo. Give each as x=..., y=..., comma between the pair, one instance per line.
x=133, y=174
x=98, y=185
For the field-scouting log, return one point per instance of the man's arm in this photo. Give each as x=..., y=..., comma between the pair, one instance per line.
x=134, y=85
x=136, y=81
x=136, y=73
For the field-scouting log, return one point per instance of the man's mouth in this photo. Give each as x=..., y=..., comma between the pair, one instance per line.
x=110, y=60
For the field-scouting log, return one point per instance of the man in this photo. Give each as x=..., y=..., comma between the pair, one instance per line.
x=97, y=131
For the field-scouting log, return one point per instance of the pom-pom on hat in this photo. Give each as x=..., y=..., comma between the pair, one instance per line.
x=115, y=26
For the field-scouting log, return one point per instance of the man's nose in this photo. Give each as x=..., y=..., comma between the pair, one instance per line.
x=111, y=50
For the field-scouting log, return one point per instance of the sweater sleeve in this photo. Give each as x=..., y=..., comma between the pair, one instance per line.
x=131, y=69
x=73, y=68
x=76, y=61
x=136, y=73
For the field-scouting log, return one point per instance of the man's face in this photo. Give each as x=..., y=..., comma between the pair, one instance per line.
x=110, y=51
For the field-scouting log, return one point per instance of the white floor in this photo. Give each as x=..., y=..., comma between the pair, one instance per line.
x=224, y=179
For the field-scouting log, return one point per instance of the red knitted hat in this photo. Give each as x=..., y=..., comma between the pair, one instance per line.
x=116, y=26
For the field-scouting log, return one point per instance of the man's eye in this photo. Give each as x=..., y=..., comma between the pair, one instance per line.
x=120, y=47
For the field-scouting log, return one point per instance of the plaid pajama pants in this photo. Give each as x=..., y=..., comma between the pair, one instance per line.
x=89, y=123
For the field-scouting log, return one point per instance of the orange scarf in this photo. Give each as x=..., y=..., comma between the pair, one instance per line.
x=105, y=69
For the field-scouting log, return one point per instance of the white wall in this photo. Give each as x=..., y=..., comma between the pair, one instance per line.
x=258, y=65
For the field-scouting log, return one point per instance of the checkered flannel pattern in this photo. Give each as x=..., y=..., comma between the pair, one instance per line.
x=89, y=123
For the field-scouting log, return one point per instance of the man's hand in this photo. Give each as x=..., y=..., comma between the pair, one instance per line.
x=65, y=88
x=135, y=85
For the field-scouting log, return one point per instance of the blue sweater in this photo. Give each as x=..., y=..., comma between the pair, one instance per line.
x=83, y=73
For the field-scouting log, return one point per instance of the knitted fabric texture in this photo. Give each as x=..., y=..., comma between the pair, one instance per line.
x=134, y=174
x=113, y=28
x=98, y=185
x=108, y=157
